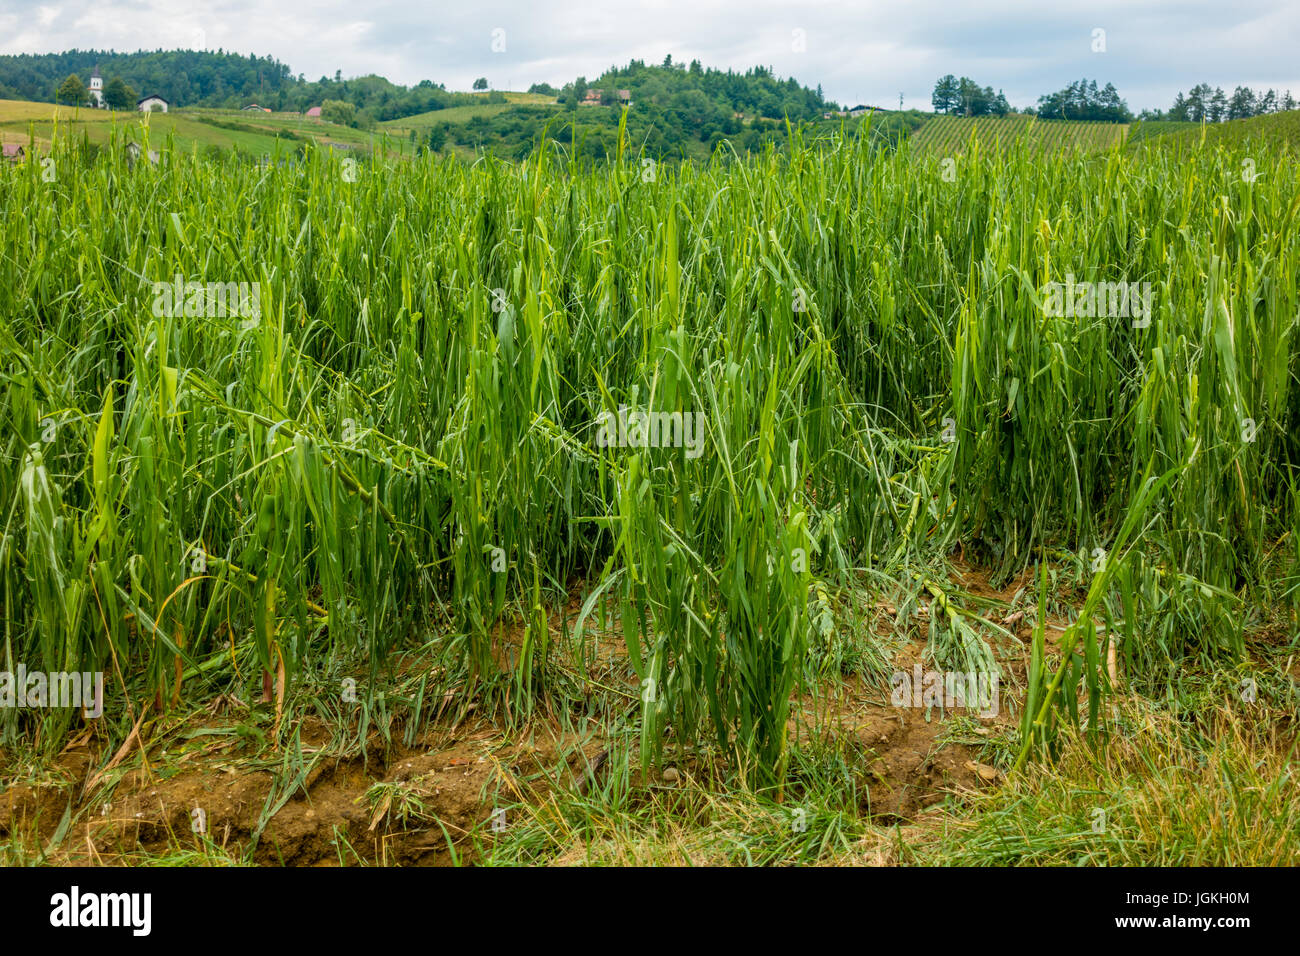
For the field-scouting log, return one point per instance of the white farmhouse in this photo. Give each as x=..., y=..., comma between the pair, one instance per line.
x=151, y=103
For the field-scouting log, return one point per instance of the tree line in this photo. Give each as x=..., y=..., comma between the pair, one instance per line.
x=965, y=97
x=1205, y=105
x=706, y=100
x=1082, y=100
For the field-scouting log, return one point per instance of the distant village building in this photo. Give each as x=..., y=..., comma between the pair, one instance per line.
x=596, y=97
x=853, y=113
x=151, y=103
x=13, y=152
x=97, y=89
x=314, y=112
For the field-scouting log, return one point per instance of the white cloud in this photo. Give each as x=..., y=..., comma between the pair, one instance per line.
x=858, y=52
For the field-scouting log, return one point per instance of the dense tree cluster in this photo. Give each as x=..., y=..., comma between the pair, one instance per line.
x=72, y=92
x=965, y=97
x=1205, y=105
x=182, y=77
x=1082, y=100
x=703, y=103
x=117, y=95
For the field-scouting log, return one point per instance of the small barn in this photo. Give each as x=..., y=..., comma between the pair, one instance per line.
x=151, y=103
x=13, y=152
x=314, y=112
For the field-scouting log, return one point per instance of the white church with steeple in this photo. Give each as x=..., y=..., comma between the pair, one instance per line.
x=97, y=89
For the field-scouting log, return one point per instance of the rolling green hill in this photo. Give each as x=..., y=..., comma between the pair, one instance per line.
x=255, y=133
x=952, y=135
x=1272, y=129
x=677, y=110
x=220, y=79
x=422, y=122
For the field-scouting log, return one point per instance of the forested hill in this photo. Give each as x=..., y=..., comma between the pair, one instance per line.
x=182, y=77
x=232, y=80
x=217, y=79
x=756, y=92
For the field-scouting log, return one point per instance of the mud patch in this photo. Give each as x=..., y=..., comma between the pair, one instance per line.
x=214, y=789
x=418, y=807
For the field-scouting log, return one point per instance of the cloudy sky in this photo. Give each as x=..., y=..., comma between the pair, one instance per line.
x=860, y=52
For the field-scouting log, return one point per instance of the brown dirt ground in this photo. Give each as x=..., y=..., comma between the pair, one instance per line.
x=151, y=810
x=907, y=761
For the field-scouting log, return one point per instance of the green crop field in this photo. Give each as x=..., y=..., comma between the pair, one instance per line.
x=684, y=453
x=1143, y=131
x=953, y=135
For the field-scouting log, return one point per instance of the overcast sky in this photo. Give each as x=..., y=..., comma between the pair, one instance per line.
x=863, y=52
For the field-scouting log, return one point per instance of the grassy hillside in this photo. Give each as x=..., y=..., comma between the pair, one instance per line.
x=220, y=80
x=255, y=133
x=678, y=111
x=682, y=126
x=511, y=129
x=514, y=130
x=1270, y=131
x=463, y=114
x=952, y=135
